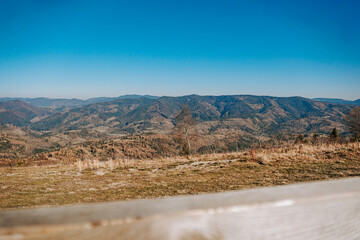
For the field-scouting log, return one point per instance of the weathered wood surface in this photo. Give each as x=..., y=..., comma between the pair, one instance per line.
x=321, y=210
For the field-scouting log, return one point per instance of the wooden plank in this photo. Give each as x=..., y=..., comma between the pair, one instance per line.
x=320, y=210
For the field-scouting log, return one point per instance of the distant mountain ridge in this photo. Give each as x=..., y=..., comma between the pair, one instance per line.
x=338, y=101
x=242, y=112
x=70, y=103
x=222, y=115
x=62, y=103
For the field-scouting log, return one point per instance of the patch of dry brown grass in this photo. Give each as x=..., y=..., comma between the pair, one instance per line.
x=122, y=179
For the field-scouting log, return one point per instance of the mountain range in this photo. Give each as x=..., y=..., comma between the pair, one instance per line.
x=222, y=123
x=214, y=114
x=70, y=103
x=62, y=103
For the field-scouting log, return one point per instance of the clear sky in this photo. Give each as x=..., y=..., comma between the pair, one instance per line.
x=87, y=48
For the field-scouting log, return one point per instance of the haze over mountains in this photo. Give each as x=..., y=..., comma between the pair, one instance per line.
x=74, y=102
x=338, y=101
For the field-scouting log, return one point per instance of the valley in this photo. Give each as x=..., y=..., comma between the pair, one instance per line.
x=40, y=135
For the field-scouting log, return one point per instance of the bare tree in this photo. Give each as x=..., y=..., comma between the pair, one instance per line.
x=259, y=132
x=353, y=122
x=185, y=125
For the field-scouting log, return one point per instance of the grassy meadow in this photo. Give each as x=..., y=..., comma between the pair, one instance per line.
x=124, y=179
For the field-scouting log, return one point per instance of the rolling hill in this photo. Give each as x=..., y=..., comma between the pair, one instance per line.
x=242, y=112
x=19, y=113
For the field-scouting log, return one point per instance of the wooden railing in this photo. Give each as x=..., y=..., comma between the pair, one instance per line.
x=320, y=210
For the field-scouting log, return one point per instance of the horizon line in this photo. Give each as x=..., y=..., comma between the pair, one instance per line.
x=149, y=95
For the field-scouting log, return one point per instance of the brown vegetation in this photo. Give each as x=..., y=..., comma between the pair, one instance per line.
x=120, y=179
x=22, y=149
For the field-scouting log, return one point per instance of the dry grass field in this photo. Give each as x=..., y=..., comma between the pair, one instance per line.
x=98, y=181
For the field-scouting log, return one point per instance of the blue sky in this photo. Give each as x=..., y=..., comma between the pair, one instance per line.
x=86, y=49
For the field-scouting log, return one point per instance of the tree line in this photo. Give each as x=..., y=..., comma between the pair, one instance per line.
x=185, y=129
